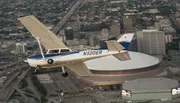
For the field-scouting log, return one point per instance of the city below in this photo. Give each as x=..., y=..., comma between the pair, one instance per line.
x=90, y=51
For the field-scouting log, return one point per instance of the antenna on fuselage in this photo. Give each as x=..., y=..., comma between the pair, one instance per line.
x=40, y=47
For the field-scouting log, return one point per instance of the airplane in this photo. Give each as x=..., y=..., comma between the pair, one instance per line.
x=59, y=55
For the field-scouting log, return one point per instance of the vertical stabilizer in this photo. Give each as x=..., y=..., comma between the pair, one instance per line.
x=125, y=40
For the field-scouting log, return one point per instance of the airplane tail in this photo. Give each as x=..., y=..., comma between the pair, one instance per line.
x=115, y=46
x=125, y=40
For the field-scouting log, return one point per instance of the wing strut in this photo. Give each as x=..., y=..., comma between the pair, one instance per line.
x=40, y=47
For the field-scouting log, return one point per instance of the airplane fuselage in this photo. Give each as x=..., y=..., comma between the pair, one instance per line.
x=60, y=59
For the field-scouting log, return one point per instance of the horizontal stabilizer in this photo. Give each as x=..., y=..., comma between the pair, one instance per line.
x=114, y=46
x=47, y=38
x=122, y=56
x=80, y=69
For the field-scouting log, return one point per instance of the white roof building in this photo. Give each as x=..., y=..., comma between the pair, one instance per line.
x=110, y=63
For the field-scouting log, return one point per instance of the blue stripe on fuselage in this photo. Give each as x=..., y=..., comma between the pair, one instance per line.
x=39, y=56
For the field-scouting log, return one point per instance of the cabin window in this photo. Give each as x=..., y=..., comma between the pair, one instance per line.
x=54, y=51
x=65, y=50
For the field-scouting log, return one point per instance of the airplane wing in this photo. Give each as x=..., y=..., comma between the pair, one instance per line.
x=80, y=69
x=47, y=38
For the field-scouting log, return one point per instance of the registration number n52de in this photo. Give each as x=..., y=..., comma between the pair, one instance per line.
x=93, y=52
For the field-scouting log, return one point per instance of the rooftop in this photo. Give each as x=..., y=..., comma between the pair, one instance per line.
x=150, y=84
x=110, y=63
x=150, y=30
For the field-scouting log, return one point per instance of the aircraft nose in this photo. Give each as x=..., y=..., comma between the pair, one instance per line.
x=25, y=61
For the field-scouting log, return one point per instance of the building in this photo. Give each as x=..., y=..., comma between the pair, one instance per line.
x=166, y=26
x=69, y=33
x=20, y=48
x=157, y=25
x=2, y=80
x=109, y=70
x=127, y=23
x=72, y=42
x=31, y=46
x=153, y=11
x=104, y=33
x=133, y=45
x=102, y=43
x=151, y=42
x=115, y=29
x=168, y=38
x=44, y=78
x=93, y=40
x=151, y=89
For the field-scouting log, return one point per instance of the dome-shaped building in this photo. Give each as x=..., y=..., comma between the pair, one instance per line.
x=109, y=70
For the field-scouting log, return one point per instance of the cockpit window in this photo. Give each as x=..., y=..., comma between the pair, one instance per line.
x=54, y=51
x=65, y=50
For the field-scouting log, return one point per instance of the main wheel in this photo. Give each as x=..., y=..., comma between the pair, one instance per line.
x=38, y=67
x=50, y=61
x=35, y=71
x=65, y=74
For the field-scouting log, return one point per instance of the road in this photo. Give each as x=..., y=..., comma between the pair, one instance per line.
x=95, y=97
x=66, y=17
x=8, y=65
x=7, y=83
x=23, y=74
x=12, y=84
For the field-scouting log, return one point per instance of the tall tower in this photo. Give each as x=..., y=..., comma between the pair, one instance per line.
x=20, y=48
x=115, y=29
x=127, y=23
x=69, y=33
x=151, y=42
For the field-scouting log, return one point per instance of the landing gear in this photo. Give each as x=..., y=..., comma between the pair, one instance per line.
x=36, y=70
x=64, y=74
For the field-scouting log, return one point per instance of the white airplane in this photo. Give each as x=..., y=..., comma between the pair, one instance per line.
x=59, y=55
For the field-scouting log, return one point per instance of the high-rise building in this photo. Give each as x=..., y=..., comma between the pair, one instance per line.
x=104, y=33
x=168, y=38
x=133, y=45
x=157, y=25
x=151, y=42
x=115, y=29
x=102, y=42
x=92, y=41
x=69, y=33
x=20, y=48
x=127, y=23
